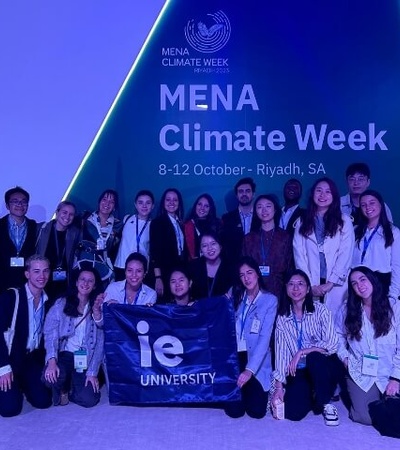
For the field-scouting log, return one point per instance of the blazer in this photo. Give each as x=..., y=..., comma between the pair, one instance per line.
x=258, y=344
x=14, y=276
x=18, y=350
x=298, y=213
x=58, y=327
x=223, y=280
x=232, y=234
x=71, y=242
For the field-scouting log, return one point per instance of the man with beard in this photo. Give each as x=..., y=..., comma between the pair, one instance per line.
x=239, y=222
x=291, y=210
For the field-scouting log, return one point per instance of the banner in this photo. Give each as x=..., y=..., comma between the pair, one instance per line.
x=171, y=354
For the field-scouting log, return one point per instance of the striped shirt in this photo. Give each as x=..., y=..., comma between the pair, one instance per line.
x=317, y=330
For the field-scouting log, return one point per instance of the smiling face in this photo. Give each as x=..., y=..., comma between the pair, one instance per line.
x=134, y=274
x=210, y=248
x=107, y=205
x=18, y=206
x=265, y=210
x=361, y=285
x=64, y=217
x=249, y=278
x=37, y=275
x=297, y=288
x=292, y=191
x=144, y=205
x=85, y=283
x=371, y=208
x=179, y=285
x=322, y=196
x=171, y=202
x=202, y=208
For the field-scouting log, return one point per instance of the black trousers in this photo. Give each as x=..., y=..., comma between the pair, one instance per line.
x=27, y=381
x=312, y=387
x=254, y=398
x=73, y=382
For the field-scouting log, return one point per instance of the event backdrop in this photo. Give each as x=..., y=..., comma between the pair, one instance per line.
x=271, y=90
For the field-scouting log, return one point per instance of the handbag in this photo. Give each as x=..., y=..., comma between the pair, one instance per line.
x=385, y=416
x=9, y=334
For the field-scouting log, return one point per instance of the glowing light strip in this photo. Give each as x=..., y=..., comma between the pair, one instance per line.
x=110, y=111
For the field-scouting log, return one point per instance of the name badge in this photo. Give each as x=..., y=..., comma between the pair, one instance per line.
x=255, y=326
x=101, y=244
x=370, y=365
x=80, y=360
x=59, y=275
x=17, y=261
x=265, y=270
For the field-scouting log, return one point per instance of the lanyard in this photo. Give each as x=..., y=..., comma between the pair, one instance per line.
x=38, y=320
x=299, y=332
x=178, y=234
x=245, y=312
x=136, y=297
x=18, y=234
x=139, y=234
x=59, y=260
x=265, y=251
x=367, y=242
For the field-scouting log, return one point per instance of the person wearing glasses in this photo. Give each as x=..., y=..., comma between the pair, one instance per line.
x=358, y=177
x=17, y=238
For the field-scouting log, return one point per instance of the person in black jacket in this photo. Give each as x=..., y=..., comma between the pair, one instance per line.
x=21, y=368
x=17, y=238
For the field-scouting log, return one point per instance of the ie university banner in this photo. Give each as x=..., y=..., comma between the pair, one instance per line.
x=171, y=354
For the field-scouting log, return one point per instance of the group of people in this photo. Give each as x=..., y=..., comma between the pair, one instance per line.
x=315, y=289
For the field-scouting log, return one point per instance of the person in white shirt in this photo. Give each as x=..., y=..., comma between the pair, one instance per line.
x=368, y=326
x=135, y=232
x=378, y=243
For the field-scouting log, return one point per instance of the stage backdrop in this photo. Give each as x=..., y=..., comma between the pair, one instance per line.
x=171, y=354
x=266, y=89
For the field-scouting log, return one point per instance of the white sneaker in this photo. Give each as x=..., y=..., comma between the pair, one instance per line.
x=331, y=415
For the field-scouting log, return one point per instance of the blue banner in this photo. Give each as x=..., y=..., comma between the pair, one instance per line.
x=171, y=354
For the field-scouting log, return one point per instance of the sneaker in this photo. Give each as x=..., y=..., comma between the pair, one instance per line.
x=331, y=415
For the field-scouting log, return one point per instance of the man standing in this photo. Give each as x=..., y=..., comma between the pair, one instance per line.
x=21, y=368
x=237, y=223
x=358, y=180
x=17, y=238
x=291, y=210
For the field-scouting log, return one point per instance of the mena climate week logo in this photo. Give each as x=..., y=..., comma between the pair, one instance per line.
x=210, y=35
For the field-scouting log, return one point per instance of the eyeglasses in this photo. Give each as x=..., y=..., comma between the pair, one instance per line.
x=18, y=202
x=360, y=179
x=299, y=284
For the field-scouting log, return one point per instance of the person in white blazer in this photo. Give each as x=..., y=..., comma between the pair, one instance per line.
x=323, y=244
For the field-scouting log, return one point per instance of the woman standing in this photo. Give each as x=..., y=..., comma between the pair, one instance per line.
x=378, y=242
x=74, y=344
x=268, y=244
x=307, y=366
x=202, y=219
x=167, y=241
x=369, y=342
x=255, y=316
x=323, y=244
x=135, y=232
x=212, y=274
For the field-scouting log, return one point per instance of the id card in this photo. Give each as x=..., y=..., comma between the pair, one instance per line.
x=370, y=365
x=59, y=275
x=265, y=270
x=17, y=261
x=100, y=244
x=255, y=326
x=80, y=360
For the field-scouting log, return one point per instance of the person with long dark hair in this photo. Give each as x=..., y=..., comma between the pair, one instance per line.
x=167, y=240
x=255, y=316
x=306, y=363
x=212, y=273
x=202, y=218
x=323, y=244
x=268, y=244
x=378, y=242
x=368, y=326
x=180, y=284
x=74, y=343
